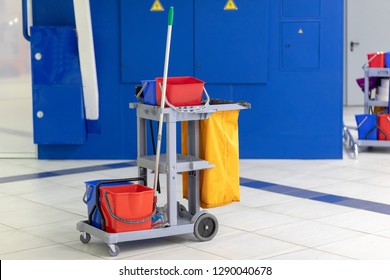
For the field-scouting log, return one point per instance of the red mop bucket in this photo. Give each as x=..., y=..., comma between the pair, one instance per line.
x=384, y=127
x=181, y=91
x=376, y=60
x=127, y=207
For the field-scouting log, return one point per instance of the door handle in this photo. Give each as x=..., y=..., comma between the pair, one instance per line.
x=353, y=44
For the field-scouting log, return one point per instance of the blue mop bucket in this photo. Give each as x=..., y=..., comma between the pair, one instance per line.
x=367, y=126
x=94, y=213
x=387, y=59
x=149, y=94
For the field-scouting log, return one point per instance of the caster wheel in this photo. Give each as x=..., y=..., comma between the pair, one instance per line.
x=356, y=151
x=113, y=250
x=85, y=239
x=206, y=227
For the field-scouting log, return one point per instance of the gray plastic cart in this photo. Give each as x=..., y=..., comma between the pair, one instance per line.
x=369, y=103
x=181, y=221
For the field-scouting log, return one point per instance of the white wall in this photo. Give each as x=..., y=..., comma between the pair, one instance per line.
x=15, y=85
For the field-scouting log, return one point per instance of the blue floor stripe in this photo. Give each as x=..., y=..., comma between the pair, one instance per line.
x=317, y=196
x=70, y=171
x=245, y=182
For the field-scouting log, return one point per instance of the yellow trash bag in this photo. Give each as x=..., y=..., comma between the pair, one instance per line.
x=219, y=185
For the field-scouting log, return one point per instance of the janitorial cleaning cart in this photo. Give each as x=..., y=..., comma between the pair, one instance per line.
x=373, y=126
x=120, y=210
x=179, y=219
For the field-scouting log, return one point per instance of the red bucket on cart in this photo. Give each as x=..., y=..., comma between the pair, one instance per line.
x=127, y=207
x=384, y=127
x=376, y=60
x=181, y=91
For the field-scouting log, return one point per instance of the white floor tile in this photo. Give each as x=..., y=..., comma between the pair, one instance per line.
x=309, y=254
x=245, y=245
x=259, y=198
x=307, y=209
x=351, y=189
x=9, y=169
x=29, y=187
x=177, y=253
x=366, y=247
x=384, y=233
x=4, y=228
x=232, y=207
x=59, y=232
x=53, y=252
x=308, y=181
x=249, y=219
x=16, y=241
x=267, y=174
x=359, y=220
x=347, y=174
x=381, y=181
x=56, y=196
x=13, y=203
x=309, y=233
x=35, y=217
x=127, y=172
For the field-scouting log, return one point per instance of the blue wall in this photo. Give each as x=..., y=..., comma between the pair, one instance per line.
x=282, y=56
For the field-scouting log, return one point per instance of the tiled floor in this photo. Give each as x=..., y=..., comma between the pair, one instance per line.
x=289, y=209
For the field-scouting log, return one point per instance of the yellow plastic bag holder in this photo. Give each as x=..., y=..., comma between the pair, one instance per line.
x=219, y=146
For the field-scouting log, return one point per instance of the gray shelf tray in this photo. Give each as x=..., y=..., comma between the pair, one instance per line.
x=183, y=163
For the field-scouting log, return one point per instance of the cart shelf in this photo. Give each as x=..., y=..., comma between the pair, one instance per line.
x=183, y=163
x=377, y=72
x=376, y=103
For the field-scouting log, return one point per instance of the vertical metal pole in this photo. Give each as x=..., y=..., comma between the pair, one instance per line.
x=171, y=170
x=194, y=176
x=141, y=145
x=366, y=89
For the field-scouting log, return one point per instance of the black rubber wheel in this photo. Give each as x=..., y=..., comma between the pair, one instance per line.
x=115, y=252
x=86, y=239
x=206, y=227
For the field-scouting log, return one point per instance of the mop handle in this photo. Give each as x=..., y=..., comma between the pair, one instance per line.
x=168, y=46
x=163, y=95
x=170, y=16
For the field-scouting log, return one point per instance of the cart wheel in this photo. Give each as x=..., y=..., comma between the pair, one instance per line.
x=85, y=237
x=206, y=227
x=113, y=250
x=345, y=137
x=356, y=151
